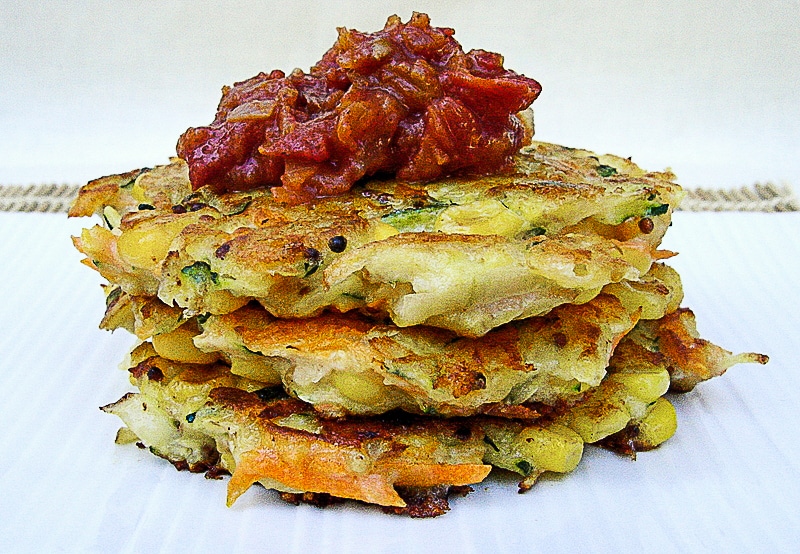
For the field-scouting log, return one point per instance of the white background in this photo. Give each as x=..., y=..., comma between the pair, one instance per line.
x=708, y=88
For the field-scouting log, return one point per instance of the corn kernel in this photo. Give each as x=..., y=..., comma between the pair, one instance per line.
x=177, y=345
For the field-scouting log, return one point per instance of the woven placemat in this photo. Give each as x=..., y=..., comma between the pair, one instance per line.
x=37, y=198
x=54, y=198
x=757, y=198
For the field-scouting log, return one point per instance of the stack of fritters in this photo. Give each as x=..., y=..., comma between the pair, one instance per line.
x=394, y=343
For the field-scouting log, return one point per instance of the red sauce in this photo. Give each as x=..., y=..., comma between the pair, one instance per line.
x=406, y=101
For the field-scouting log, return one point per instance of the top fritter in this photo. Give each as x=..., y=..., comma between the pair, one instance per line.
x=465, y=254
x=405, y=100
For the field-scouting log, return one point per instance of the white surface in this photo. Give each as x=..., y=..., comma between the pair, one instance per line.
x=709, y=88
x=726, y=482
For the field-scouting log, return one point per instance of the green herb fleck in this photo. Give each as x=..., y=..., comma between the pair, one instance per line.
x=254, y=352
x=606, y=170
x=525, y=467
x=313, y=261
x=414, y=219
x=111, y=217
x=200, y=273
x=239, y=208
x=129, y=183
x=113, y=296
x=658, y=209
x=488, y=440
x=655, y=345
x=396, y=370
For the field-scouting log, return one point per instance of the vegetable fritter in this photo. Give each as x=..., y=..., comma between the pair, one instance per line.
x=464, y=254
x=350, y=364
x=204, y=418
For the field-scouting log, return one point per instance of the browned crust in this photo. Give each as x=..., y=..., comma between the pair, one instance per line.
x=672, y=343
x=101, y=192
x=352, y=431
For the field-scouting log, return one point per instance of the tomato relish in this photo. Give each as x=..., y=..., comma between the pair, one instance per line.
x=404, y=101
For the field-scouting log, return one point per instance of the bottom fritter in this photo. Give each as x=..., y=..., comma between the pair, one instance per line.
x=203, y=417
